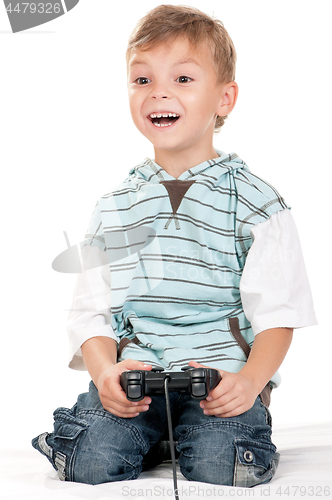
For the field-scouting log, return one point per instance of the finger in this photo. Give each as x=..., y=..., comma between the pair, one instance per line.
x=121, y=400
x=119, y=409
x=110, y=394
x=220, y=400
x=217, y=392
x=234, y=413
x=132, y=364
x=218, y=409
x=121, y=414
x=225, y=388
x=216, y=406
x=194, y=364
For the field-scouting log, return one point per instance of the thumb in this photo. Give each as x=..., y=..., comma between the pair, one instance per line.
x=194, y=364
x=132, y=364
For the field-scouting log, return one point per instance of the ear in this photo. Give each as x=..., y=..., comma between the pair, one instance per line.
x=228, y=98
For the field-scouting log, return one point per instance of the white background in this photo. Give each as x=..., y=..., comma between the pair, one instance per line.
x=67, y=138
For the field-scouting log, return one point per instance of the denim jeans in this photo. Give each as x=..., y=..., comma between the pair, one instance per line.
x=91, y=445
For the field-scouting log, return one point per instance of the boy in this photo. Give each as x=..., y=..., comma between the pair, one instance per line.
x=198, y=251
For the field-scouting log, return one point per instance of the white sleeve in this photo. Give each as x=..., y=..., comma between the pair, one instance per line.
x=274, y=287
x=90, y=314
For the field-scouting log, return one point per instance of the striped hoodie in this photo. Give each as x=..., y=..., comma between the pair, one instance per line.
x=176, y=251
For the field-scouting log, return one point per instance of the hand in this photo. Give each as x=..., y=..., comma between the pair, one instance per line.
x=234, y=395
x=113, y=397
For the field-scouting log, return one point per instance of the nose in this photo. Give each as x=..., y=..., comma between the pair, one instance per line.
x=156, y=95
x=160, y=91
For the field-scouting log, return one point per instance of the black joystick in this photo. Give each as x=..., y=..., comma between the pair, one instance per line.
x=197, y=382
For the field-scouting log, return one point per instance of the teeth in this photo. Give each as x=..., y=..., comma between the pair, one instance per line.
x=162, y=124
x=163, y=115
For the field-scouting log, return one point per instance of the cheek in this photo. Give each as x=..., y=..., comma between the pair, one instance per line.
x=202, y=104
x=136, y=106
x=132, y=102
x=136, y=115
x=202, y=115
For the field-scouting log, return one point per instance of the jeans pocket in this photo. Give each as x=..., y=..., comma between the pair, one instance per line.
x=255, y=462
x=68, y=430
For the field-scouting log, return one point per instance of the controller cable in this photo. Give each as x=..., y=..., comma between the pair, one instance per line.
x=170, y=435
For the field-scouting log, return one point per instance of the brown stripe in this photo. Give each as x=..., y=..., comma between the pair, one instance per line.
x=265, y=395
x=124, y=342
x=234, y=326
x=235, y=330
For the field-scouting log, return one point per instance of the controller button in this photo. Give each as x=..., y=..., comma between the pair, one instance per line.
x=134, y=392
x=134, y=376
x=197, y=373
x=199, y=389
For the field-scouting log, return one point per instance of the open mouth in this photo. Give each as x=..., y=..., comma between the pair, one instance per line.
x=163, y=119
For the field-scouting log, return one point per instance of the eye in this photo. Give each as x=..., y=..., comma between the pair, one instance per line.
x=142, y=80
x=184, y=79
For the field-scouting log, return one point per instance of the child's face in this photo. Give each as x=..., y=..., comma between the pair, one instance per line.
x=175, y=79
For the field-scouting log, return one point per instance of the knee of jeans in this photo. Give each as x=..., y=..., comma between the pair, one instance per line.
x=207, y=455
x=106, y=462
x=255, y=462
x=106, y=450
x=68, y=431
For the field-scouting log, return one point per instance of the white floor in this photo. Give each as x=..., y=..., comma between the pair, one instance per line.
x=305, y=471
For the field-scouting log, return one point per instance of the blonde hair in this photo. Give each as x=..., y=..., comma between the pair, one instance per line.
x=165, y=23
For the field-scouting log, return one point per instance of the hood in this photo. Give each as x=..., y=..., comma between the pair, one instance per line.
x=150, y=171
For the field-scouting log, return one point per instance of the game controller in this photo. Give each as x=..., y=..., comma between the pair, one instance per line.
x=197, y=382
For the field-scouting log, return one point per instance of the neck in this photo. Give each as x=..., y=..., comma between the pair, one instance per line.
x=175, y=163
